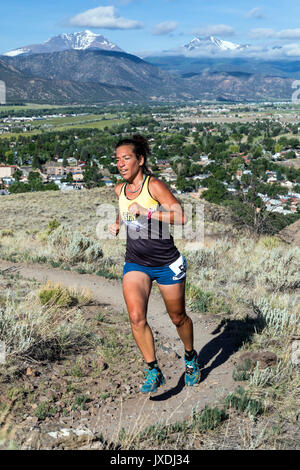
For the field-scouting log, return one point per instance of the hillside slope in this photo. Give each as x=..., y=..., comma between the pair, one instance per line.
x=26, y=87
x=84, y=75
x=291, y=234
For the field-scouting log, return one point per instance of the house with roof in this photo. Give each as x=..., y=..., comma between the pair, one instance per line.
x=7, y=170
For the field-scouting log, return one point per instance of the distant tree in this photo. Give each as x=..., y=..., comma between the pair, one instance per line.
x=257, y=152
x=296, y=189
x=184, y=185
x=216, y=192
x=68, y=178
x=290, y=154
x=181, y=183
x=234, y=164
x=36, y=162
x=85, y=153
x=293, y=142
x=50, y=187
x=18, y=187
x=18, y=174
x=283, y=141
x=92, y=177
x=234, y=148
x=9, y=157
x=34, y=177
x=278, y=147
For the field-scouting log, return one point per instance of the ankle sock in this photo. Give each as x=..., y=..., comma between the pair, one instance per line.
x=152, y=364
x=189, y=355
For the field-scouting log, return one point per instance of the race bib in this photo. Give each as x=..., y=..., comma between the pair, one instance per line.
x=179, y=268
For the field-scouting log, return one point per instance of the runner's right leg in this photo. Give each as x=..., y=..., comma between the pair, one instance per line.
x=136, y=290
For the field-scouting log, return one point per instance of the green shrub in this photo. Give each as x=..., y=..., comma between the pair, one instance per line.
x=79, y=402
x=108, y=275
x=52, y=225
x=271, y=375
x=279, y=270
x=45, y=410
x=55, y=294
x=61, y=237
x=269, y=242
x=41, y=332
x=198, y=299
x=6, y=233
x=242, y=371
x=74, y=247
x=205, y=301
x=40, y=259
x=208, y=419
x=206, y=257
x=278, y=320
x=242, y=401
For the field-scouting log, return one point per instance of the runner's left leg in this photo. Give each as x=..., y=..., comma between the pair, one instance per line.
x=174, y=298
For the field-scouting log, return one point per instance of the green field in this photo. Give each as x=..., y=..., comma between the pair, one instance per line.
x=9, y=135
x=71, y=120
x=90, y=121
x=101, y=124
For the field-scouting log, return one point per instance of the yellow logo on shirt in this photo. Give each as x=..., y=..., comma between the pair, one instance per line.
x=127, y=217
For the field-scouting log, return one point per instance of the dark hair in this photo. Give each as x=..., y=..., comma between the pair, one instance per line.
x=140, y=147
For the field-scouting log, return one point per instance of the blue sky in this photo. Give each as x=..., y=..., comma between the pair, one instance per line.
x=149, y=26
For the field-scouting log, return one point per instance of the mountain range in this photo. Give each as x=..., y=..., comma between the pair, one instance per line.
x=204, y=46
x=210, y=44
x=79, y=41
x=87, y=68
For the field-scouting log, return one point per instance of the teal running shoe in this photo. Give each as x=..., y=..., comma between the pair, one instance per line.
x=153, y=379
x=192, y=372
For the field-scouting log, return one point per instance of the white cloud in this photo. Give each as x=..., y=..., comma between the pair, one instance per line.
x=255, y=13
x=258, y=33
x=272, y=33
x=292, y=50
x=215, y=30
x=164, y=28
x=289, y=34
x=104, y=17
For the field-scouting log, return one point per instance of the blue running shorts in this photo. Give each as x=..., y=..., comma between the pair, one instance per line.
x=172, y=274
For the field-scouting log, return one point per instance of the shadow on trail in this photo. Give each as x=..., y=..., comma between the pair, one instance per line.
x=170, y=393
x=232, y=335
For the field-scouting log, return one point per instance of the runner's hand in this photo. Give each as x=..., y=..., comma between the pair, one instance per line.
x=114, y=229
x=137, y=209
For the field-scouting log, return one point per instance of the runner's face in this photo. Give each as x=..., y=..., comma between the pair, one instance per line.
x=127, y=163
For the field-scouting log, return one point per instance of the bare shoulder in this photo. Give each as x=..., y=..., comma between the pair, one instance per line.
x=118, y=188
x=159, y=190
x=157, y=185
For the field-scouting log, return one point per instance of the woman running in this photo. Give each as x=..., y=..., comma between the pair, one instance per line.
x=147, y=207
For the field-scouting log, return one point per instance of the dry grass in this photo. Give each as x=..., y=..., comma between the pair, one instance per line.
x=43, y=327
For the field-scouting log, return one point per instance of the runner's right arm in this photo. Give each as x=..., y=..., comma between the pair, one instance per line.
x=115, y=227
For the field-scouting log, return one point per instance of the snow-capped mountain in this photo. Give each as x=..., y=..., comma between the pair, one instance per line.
x=79, y=41
x=212, y=44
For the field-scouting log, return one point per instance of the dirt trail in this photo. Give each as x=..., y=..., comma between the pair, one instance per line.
x=174, y=401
